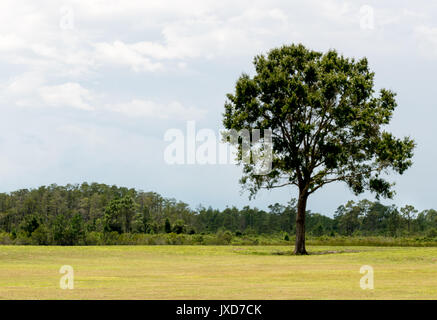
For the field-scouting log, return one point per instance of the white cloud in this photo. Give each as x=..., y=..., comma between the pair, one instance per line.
x=193, y=37
x=30, y=90
x=161, y=36
x=89, y=137
x=336, y=11
x=67, y=94
x=23, y=84
x=155, y=36
x=10, y=42
x=118, y=53
x=427, y=40
x=153, y=110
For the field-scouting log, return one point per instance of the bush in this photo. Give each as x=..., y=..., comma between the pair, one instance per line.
x=158, y=239
x=250, y=231
x=22, y=239
x=286, y=237
x=93, y=238
x=431, y=233
x=173, y=238
x=179, y=227
x=224, y=237
x=126, y=239
x=29, y=224
x=197, y=239
x=111, y=238
x=167, y=226
x=40, y=236
x=318, y=232
x=141, y=239
x=5, y=238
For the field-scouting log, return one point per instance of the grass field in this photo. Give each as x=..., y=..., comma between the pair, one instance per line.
x=216, y=272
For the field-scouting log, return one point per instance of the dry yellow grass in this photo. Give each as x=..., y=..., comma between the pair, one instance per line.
x=215, y=272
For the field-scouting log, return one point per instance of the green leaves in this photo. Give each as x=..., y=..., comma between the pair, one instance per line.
x=119, y=214
x=327, y=123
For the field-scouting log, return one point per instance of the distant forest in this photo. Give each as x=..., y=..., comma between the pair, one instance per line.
x=96, y=213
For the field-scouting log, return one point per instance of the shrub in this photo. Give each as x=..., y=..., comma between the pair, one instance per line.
x=167, y=226
x=286, y=237
x=179, y=227
x=93, y=238
x=250, y=231
x=197, y=239
x=158, y=240
x=22, y=239
x=432, y=233
x=111, y=238
x=173, y=238
x=126, y=239
x=29, y=224
x=318, y=231
x=40, y=236
x=5, y=238
x=224, y=237
x=141, y=239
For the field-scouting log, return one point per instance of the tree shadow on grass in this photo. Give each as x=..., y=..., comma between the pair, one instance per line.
x=291, y=253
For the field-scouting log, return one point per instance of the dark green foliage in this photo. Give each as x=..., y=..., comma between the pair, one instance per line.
x=318, y=231
x=65, y=215
x=29, y=224
x=224, y=237
x=119, y=215
x=432, y=233
x=327, y=121
x=167, y=226
x=179, y=227
x=41, y=235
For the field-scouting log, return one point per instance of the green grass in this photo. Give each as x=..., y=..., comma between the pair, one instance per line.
x=217, y=272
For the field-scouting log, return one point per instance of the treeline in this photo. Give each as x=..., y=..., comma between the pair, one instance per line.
x=98, y=213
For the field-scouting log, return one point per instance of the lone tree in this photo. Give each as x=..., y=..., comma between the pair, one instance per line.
x=326, y=121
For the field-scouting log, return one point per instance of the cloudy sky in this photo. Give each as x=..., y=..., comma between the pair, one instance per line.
x=89, y=88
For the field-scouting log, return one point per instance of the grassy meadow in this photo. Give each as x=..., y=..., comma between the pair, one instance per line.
x=217, y=272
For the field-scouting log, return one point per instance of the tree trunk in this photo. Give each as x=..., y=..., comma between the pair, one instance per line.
x=300, y=224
